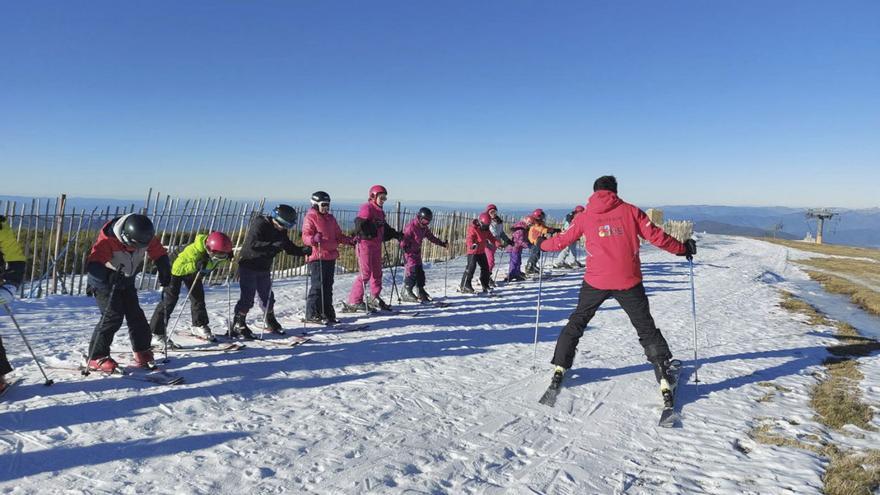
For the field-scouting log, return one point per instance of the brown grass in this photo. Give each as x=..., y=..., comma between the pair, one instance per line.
x=831, y=249
x=860, y=295
x=852, y=473
x=837, y=399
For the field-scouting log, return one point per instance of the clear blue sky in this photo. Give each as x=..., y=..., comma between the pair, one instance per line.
x=721, y=102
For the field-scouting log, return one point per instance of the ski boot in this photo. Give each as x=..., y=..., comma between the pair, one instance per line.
x=355, y=308
x=144, y=359
x=104, y=364
x=549, y=397
x=272, y=325
x=330, y=317
x=424, y=297
x=665, y=371
x=466, y=289
x=240, y=328
x=313, y=319
x=159, y=342
x=202, y=332
x=377, y=302
x=408, y=295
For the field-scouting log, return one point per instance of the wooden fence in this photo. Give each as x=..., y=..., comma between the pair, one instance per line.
x=57, y=239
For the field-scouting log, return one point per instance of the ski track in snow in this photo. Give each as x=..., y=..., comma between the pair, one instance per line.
x=441, y=402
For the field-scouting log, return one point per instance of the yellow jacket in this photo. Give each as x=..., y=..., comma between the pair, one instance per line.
x=10, y=254
x=537, y=230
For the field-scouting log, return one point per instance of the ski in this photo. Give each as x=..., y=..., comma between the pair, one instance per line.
x=668, y=416
x=287, y=342
x=549, y=397
x=156, y=376
x=233, y=347
x=9, y=386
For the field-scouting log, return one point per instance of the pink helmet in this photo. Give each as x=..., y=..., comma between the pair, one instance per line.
x=491, y=207
x=485, y=219
x=528, y=220
x=218, y=243
x=377, y=190
x=538, y=214
x=578, y=209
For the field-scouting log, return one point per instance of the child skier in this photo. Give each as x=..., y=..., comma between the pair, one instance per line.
x=611, y=229
x=11, y=274
x=194, y=263
x=267, y=236
x=112, y=265
x=373, y=232
x=478, y=237
x=568, y=252
x=411, y=244
x=497, y=229
x=322, y=233
x=538, y=231
x=518, y=243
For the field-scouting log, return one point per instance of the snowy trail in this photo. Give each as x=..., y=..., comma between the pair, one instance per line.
x=441, y=402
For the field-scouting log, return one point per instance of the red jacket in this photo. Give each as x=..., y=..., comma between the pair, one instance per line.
x=331, y=235
x=611, y=228
x=108, y=248
x=482, y=238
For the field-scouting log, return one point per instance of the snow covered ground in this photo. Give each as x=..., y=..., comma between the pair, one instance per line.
x=441, y=402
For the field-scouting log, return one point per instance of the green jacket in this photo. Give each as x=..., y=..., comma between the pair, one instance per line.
x=187, y=261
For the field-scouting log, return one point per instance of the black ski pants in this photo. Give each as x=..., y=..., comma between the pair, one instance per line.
x=634, y=302
x=5, y=367
x=534, y=257
x=123, y=306
x=319, y=302
x=485, y=274
x=254, y=282
x=415, y=278
x=170, y=296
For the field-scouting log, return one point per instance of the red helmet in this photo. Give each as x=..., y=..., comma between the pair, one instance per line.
x=491, y=207
x=218, y=244
x=578, y=209
x=528, y=220
x=485, y=219
x=538, y=214
x=377, y=190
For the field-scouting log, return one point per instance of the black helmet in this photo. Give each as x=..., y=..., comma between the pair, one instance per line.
x=284, y=215
x=426, y=214
x=319, y=197
x=136, y=230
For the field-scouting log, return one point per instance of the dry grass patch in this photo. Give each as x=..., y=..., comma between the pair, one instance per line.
x=837, y=399
x=793, y=304
x=860, y=295
x=830, y=249
x=852, y=473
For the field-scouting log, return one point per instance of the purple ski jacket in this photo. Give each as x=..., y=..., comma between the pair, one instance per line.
x=519, y=235
x=411, y=244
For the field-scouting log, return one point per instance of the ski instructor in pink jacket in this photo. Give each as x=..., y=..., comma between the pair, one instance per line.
x=612, y=228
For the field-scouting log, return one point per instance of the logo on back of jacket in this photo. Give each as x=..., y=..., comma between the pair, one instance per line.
x=610, y=230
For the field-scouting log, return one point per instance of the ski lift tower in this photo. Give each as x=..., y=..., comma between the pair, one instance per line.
x=820, y=214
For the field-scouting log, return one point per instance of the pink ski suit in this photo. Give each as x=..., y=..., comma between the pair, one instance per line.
x=369, y=251
x=330, y=232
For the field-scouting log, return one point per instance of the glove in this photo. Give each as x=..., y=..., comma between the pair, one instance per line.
x=7, y=293
x=117, y=277
x=307, y=250
x=202, y=266
x=690, y=249
x=317, y=238
x=444, y=243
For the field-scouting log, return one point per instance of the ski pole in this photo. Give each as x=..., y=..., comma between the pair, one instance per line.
x=321, y=276
x=538, y=314
x=229, y=302
x=308, y=277
x=27, y=344
x=183, y=308
x=165, y=319
x=446, y=272
x=109, y=308
x=694, y=313
x=498, y=267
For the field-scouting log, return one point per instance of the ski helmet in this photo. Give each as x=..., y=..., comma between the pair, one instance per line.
x=319, y=197
x=485, y=220
x=426, y=215
x=218, y=245
x=491, y=207
x=284, y=215
x=578, y=209
x=528, y=220
x=136, y=230
x=377, y=190
x=538, y=214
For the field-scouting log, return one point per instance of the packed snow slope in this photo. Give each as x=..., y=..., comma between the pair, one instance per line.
x=444, y=401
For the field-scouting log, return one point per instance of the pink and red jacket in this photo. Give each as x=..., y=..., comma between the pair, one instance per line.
x=411, y=244
x=331, y=235
x=611, y=229
x=482, y=238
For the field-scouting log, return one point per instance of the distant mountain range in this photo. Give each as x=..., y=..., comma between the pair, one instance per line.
x=853, y=227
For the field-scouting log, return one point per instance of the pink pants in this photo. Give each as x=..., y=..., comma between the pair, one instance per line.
x=490, y=256
x=370, y=262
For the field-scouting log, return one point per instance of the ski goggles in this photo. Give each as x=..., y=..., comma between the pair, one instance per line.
x=218, y=256
x=324, y=204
